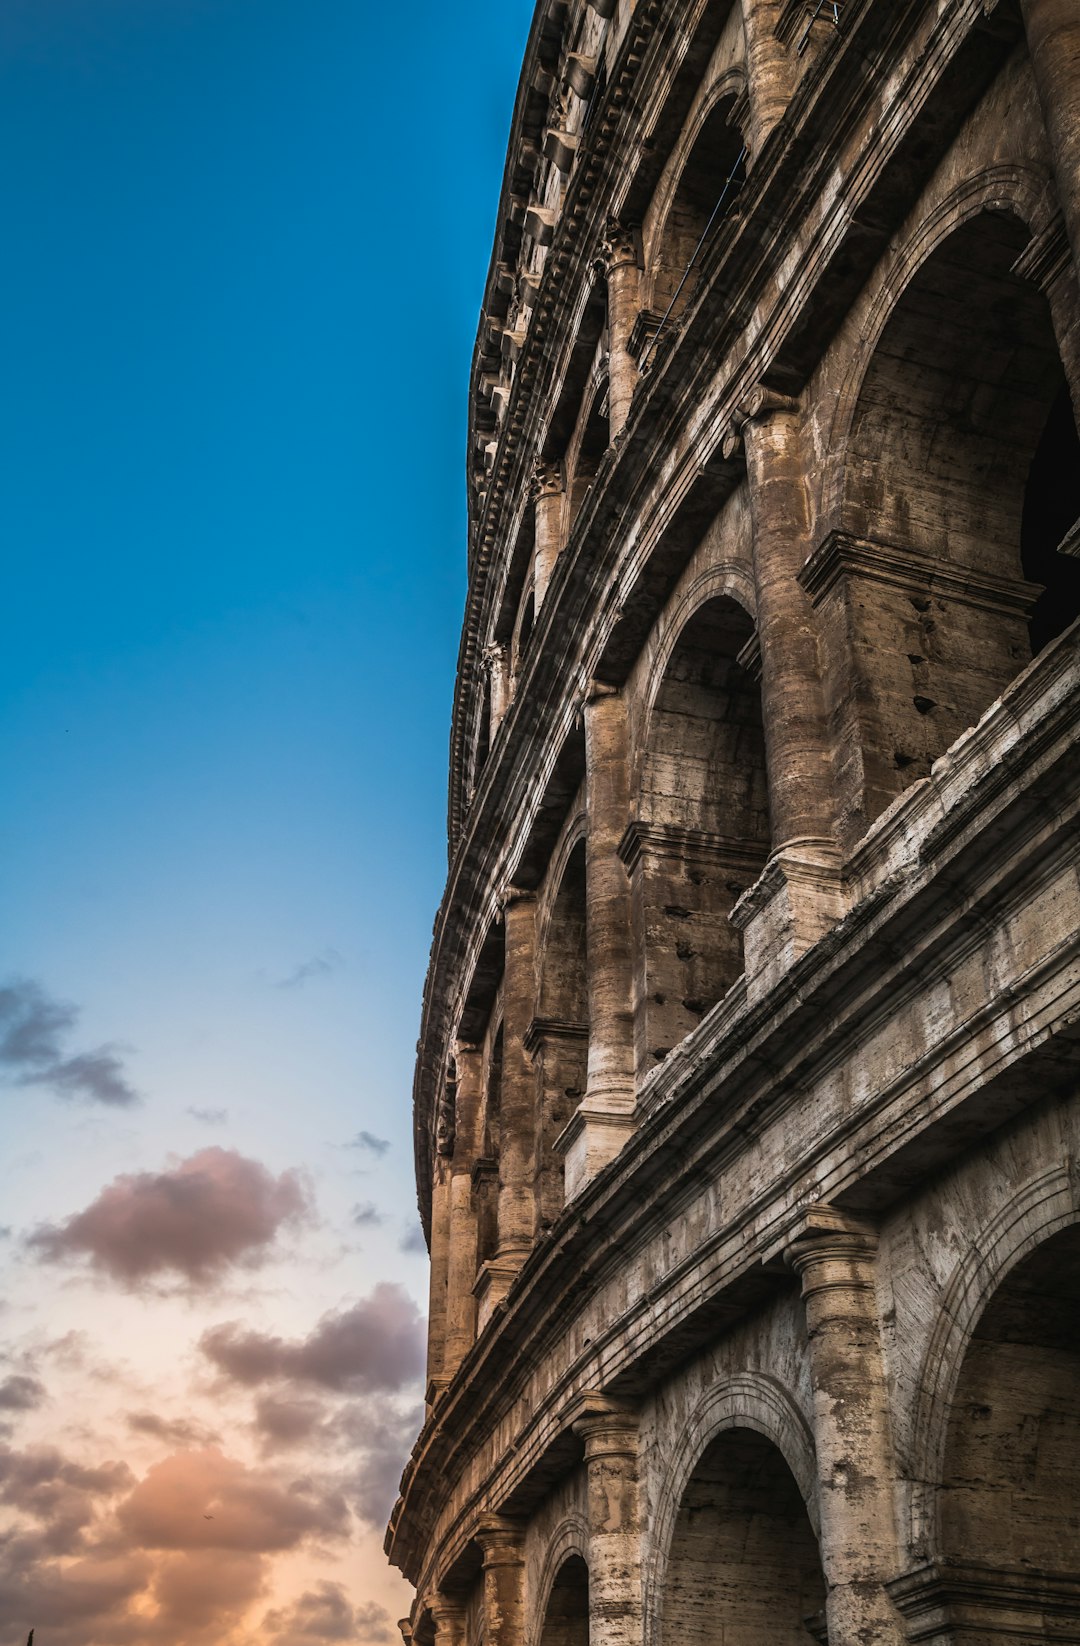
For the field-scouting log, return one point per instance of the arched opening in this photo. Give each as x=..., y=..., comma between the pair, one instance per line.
x=482, y=746
x=566, y=1621
x=486, y=1169
x=703, y=830
x=523, y=629
x=1051, y=507
x=961, y=466
x=707, y=189
x=595, y=439
x=1010, y=1494
x=744, y=1567
x=560, y=1032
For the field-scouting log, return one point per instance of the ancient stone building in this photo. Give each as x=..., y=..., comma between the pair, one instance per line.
x=747, y=1111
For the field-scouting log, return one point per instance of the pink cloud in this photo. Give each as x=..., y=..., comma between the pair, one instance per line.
x=205, y=1500
x=215, y=1210
x=377, y=1344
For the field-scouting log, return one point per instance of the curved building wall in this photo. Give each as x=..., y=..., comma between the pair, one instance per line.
x=746, y=1101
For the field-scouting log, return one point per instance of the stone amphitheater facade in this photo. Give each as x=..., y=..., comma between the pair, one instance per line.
x=747, y=1110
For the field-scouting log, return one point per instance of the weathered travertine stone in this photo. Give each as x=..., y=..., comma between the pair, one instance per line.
x=747, y=1120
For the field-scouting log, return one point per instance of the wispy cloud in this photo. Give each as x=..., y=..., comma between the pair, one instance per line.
x=369, y=1142
x=325, y=1614
x=204, y=1215
x=33, y=1028
x=210, y=1117
x=320, y=965
x=367, y=1215
x=413, y=1240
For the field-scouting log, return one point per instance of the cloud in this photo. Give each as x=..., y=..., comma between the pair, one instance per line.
x=320, y=965
x=32, y=1028
x=367, y=1214
x=206, y=1500
x=208, y=1213
x=325, y=1613
x=378, y=1436
x=20, y=1393
x=377, y=1344
x=95, y=1557
x=210, y=1117
x=175, y=1431
x=283, y=1421
x=413, y=1240
x=367, y=1140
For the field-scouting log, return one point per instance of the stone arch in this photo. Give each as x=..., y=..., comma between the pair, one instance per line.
x=923, y=586
x=704, y=154
x=594, y=437
x=1040, y=1209
x=558, y=1038
x=725, y=581
x=702, y=830
x=730, y=96
x=745, y=1404
x=557, y=1615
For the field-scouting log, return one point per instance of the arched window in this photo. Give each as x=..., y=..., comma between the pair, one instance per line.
x=566, y=1620
x=961, y=468
x=561, y=1029
x=744, y=1567
x=1010, y=1495
x=708, y=187
x=702, y=834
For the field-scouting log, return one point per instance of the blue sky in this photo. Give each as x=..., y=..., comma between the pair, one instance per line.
x=245, y=247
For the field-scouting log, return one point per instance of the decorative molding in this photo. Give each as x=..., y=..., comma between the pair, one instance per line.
x=1046, y=256
x=643, y=839
x=542, y=1029
x=944, y=1599
x=842, y=554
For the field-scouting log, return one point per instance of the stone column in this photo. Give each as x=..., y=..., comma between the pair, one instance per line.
x=406, y=1628
x=834, y=1257
x=461, y=1274
x=1047, y=262
x=440, y=1264
x=605, y=1116
x=768, y=70
x=497, y=664
x=517, y=1107
x=1053, y=37
x=502, y=1542
x=802, y=898
x=614, y=1513
x=449, y=1619
x=618, y=261
x=548, y=500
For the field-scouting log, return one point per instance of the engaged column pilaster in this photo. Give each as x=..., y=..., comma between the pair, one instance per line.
x=449, y=1619
x=1053, y=37
x=548, y=506
x=605, y=1117
x=610, y=1434
x=835, y=1259
x=800, y=895
x=502, y=1542
x=461, y=1269
x=619, y=263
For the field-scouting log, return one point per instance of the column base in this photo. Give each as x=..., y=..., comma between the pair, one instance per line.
x=594, y=1135
x=494, y=1280
x=797, y=898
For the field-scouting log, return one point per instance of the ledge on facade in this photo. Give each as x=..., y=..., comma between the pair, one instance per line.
x=942, y=1598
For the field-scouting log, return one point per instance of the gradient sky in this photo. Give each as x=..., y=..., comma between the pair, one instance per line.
x=244, y=251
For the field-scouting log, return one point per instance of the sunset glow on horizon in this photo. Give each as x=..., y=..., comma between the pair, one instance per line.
x=244, y=262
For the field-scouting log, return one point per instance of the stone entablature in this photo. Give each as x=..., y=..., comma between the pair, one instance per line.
x=747, y=1095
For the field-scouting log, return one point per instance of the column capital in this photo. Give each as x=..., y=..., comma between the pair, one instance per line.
x=513, y=896
x=828, y=1248
x=502, y=1540
x=761, y=402
x=597, y=691
x=493, y=655
x=445, y=1609
x=406, y=1628
x=618, y=246
x=546, y=480
x=608, y=1428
